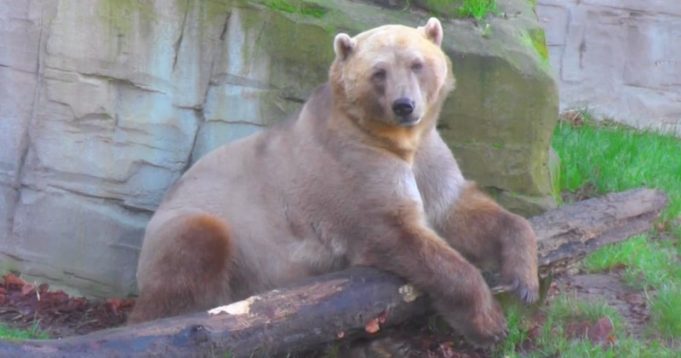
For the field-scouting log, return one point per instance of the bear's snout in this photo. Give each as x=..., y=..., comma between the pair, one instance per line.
x=403, y=106
x=404, y=112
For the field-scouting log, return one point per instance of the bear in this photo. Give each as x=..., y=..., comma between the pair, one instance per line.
x=359, y=177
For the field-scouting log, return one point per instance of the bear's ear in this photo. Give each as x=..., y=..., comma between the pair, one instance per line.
x=343, y=45
x=433, y=30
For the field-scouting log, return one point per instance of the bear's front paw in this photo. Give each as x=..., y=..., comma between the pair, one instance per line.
x=528, y=292
x=487, y=326
x=481, y=321
x=523, y=282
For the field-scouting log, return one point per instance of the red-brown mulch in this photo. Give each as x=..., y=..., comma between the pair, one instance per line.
x=23, y=305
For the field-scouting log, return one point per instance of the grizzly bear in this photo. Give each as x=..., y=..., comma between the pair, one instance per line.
x=360, y=177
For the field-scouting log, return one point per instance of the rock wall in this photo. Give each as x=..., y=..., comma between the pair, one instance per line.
x=104, y=103
x=618, y=58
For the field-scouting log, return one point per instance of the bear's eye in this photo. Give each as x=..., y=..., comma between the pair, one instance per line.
x=417, y=66
x=379, y=75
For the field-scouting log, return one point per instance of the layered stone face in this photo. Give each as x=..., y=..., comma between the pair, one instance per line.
x=104, y=103
x=618, y=58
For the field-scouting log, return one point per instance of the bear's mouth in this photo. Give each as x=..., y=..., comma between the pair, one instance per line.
x=408, y=121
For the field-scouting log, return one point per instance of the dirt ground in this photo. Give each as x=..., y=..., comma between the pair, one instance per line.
x=23, y=305
x=608, y=287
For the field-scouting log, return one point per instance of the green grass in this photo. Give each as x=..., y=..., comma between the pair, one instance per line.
x=608, y=158
x=614, y=158
x=297, y=7
x=517, y=318
x=553, y=340
x=13, y=334
x=647, y=263
x=565, y=308
x=651, y=265
x=477, y=9
x=666, y=310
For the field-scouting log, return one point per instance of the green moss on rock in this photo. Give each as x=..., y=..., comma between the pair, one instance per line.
x=297, y=7
x=538, y=38
x=476, y=9
x=120, y=13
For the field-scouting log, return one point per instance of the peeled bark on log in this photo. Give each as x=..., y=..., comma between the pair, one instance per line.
x=343, y=304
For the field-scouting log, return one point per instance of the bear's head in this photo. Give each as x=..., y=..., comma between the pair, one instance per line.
x=391, y=77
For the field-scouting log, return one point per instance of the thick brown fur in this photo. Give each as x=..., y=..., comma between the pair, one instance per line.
x=352, y=181
x=194, y=257
x=473, y=228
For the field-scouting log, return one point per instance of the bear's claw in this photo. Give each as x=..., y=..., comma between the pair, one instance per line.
x=527, y=293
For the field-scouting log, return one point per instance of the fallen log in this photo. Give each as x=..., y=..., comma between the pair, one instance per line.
x=570, y=232
x=346, y=303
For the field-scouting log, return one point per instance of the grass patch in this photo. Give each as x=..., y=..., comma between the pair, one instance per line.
x=602, y=158
x=13, y=334
x=647, y=263
x=616, y=158
x=608, y=158
x=553, y=340
x=566, y=307
x=297, y=7
x=519, y=324
x=477, y=9
x=666, y=310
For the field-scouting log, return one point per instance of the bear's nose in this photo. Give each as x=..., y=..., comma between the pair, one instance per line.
x=403, y=106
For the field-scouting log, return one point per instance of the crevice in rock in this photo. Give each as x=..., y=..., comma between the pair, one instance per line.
x=13, y=256
x=114, y=80
x=293, y=99
x=86, y=178
x=81, y=277
x=196, y=107
x=114, y=196
x=225, y=27
x=110, y=199
x=178, y=43
x=201, y=119
x=236, y=80
x=130, y=83
x=27, y=140
x=124, y=246
x=238, y=122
